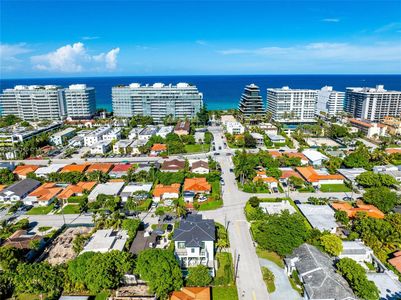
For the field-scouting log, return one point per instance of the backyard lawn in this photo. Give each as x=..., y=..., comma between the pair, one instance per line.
x=334, y=188
x=195, y=148
x=210, y=205
x=272, y=256
x=224, y=293
x=70, y=209
x=41, y=210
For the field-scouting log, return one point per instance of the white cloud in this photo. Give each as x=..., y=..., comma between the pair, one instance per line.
x=325, y=52
x=74, y=59
x=10, y=55
x=394, y=26
x=331, y=20
x=201, y=42
x=89, y=38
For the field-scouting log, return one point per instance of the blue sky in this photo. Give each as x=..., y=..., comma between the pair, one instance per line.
x=106, y=38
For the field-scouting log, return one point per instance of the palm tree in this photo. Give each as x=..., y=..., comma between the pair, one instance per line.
x=179, y=208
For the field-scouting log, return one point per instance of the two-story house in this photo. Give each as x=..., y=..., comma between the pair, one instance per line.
x=194, y=242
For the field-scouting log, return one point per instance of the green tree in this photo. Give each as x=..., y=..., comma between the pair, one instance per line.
x=10, y=257
x=332, y=244
x=341, y=216
x=249, y=140
x=357, y=279
x=333, y=164
x=203, y=115
x=99, y=271
x=38, y=278
x=382, y=197
x=281, y=233
x=254, y=201
x=358, y=159
x=6, y=176
x=199, y=276
x=161, y=270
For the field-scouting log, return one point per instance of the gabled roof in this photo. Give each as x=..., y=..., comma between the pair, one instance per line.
x=371, y=210
x=191, y=293
x=320, y=279
x=182, y=125
x=194, y=230
x=103, y=167
x=159, y=147
x=24, y=170
x=74, y=168
x=197, y=185
x=161, y=189
x=173, y=164
x=122, y=167
x=310, y=174
x=46, y=191
x=21, y=188
x=199, y=164
x=74, y=189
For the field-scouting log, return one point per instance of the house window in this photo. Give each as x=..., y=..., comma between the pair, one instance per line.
x=192, y=250
x=181, y=245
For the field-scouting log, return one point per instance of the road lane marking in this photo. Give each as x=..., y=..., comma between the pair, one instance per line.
x=253, y=295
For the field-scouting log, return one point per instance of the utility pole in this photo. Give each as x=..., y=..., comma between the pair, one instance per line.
x=236, y=266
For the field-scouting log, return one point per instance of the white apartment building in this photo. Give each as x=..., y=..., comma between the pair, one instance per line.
x=101, y=147
x=329, y=102
x=235, y=128
x=34, y=102
x=291, y=105
x=157, y=100
x=372, y=104
x=96, y=135
x=113, y=134
x=122, y=147
x=80, y=101
x=59, y=138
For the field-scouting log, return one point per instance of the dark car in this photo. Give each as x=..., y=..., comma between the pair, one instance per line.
x=297, y=202
x=169, y=227
x=231, y=170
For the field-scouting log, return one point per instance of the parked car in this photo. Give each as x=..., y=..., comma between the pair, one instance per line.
x=169, y=228
x=297, y=202
x=347, y=199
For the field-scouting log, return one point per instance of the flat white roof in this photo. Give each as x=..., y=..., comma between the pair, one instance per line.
x=108, y=188
x=319, y=216
x=137, y=186
x=49, y=169
x=106, y=240
x=314, y=155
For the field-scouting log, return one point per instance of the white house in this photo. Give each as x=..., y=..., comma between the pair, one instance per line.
x=97, y=135
x=101, y=147
x=164, y=131
x=106, y=240
x=259, y=138
x=227, y=118
x=122, y=147
x=235, y=128
x=133, y=134
x=394, y=171
x=199, y=166
x=114, y=134
x=194, y=242
x=316, y=158
x=45, y=171
x=274, y=138
x=59, y=138
x=134, y=187
x=147, y=132
x=108, y=188
x=18, y=191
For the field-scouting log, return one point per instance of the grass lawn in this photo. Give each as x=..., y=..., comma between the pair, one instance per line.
x=272, y=256
x=268, y=278
x=70, y=209
x=196, y=148
x=225, y=270
x=210, y=205
x=41, y=210
x=334, y=188
x=224, y=293
x=102, y=296
x=29, y=297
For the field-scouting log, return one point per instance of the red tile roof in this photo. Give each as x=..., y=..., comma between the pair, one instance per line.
x=310, y=174
x=197, y=185
x=121, y=168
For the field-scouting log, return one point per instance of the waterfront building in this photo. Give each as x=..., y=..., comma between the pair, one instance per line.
x=34, y=102
x=251, y=102
x=372, y=104
x=80, y=101
x=329, y=102
x=158, y=100
x=291, y=105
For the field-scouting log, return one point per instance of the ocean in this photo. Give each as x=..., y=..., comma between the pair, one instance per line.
x=219, y=91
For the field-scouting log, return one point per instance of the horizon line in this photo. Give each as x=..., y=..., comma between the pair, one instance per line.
x=207, y=75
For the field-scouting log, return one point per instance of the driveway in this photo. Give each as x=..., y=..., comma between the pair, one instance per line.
x=283, y=286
